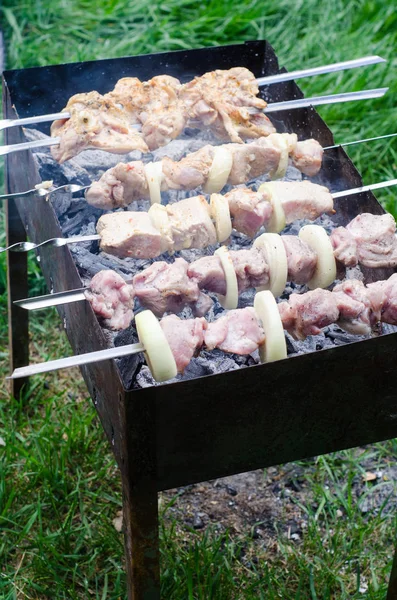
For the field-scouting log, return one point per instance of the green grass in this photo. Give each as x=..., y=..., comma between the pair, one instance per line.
x=59, y=487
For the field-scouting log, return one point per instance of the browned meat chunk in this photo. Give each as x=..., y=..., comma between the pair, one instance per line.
x=239, y=332
x=375, y=239
x=345, y=246
x=129, y=234
x=119, y=186
x=189, y=172
x=307, y=157
x=191, y=225
x=250, y=266
x=252, y=160
x=308, y=313
x=303, y=199
x=165, y=287
x=249, y=210
x=355, y=307
x=112, y=299
x=95, y=122
x=185, y=338
x=301, y=259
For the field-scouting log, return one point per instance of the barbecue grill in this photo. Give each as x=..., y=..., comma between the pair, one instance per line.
x=171, y=435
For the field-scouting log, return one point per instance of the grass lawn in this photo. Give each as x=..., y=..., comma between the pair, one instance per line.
x=59, y=486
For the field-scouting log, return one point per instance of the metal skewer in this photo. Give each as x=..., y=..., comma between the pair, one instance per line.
x=276, y=106
x=261, y=81
x=78, y=360
x=76, y=295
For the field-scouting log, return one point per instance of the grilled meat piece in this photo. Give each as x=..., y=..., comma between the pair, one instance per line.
x=94, y=123
x=190, y=223
x=308, y=313
x=119, y=186
x=301, y=259
x=129, y=234
x=303, y=199
x=252, y=160
x=185, y=338
x=345, y=246
x=307, y=157
x=239, y=332
x=189, y=172
x=165, y=287
x=250, y=210
x=112, y=299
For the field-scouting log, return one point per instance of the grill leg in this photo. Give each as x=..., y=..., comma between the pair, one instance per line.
x=392, y=589
x=140, y=512
x=17, y=283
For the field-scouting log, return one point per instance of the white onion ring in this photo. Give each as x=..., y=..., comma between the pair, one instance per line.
x=230, y=301
x=283, y=145
x=219, y=171
x=316, y=237
x=154, y=176
x=275, y=347
x=220, y=212
x=160, y=219
x=158, y=353
x=276, y=258
x=277, y=220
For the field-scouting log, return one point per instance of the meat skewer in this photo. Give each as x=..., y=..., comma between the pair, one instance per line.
x=261, y=81
x=168, y=287
x=188, y=223
x=118, y=136
x=46, y=189
x=172, y=343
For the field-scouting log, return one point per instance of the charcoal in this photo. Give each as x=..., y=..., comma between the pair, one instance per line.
x=76, y=217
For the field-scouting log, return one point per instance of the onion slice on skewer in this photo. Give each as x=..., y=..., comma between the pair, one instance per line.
x=274, y=347
x=158, y=353
x=277, y=221
x=282, y=143
x=219, y=171
x=154, y=176
x=220, y=212
x=316, y=237
x=160, y=219
x=230, y=301
x=276, y=258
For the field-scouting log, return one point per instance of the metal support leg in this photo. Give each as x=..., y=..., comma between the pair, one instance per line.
x=17, y=283
x=140, y=511
x=392, y=589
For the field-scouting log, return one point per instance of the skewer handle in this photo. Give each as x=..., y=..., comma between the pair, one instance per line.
x=332, y=68
x=28, y=145
x=321, y=100
x=73, y=361
x=6, y=123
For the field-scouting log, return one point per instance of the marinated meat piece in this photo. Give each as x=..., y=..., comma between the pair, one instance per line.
x=189, y=172
x=307, y=157
x=355, y=307
x=119, y=186
x=165, y=287
x=251, y=268
x=95, y=122
x=238, y=332
x=190, y=223
x=129, y=234
x=301, y=259
x=345, y=246
x=208, y=273
x=112, y=299
x=252, y=160
x=375, y=239
x=250, y=210
x=308, y=313
x=303, y=199
x=202, y=305
x=383, y=296
x=185, y=338
x=238, y=124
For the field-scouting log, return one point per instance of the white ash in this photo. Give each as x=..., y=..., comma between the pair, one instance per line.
x=76, y=217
